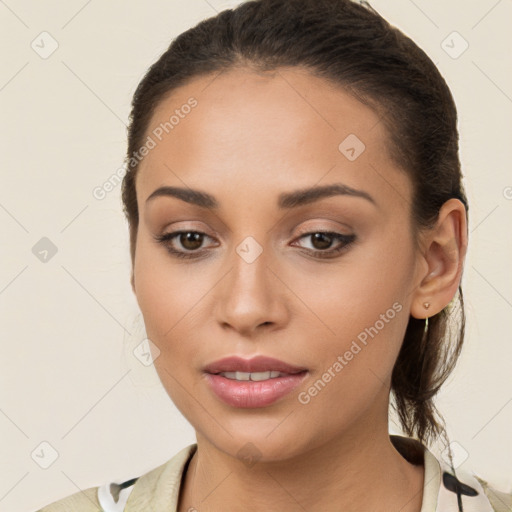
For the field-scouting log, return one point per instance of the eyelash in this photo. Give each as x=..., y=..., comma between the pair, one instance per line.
x=347, y=241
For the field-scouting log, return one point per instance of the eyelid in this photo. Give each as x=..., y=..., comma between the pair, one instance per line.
x=323, y=228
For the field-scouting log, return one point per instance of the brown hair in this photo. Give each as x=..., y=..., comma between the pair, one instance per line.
x=351, y=45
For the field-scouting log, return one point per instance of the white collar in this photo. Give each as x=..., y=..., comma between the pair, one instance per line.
x=441, y=484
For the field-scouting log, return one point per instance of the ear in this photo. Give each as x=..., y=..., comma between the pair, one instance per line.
x=442, y=259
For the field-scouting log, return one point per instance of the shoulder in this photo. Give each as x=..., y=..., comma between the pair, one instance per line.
x=501, y=501
x=110, y=497
x=471, y=490
x=136, y=494
x=83, y=501
x=449, y=489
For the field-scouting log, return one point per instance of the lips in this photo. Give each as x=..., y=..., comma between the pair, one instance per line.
x=249, y=383
x=253, y=365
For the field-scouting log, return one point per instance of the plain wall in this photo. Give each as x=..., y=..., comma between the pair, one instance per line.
x=68, y=375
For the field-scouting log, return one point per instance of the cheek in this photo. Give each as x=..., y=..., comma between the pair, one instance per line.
x=363, y=311
x=353, y=367
x=362, y=342
x=166, y=299
x=174, y=302
x=368, y=287
x=165, y=292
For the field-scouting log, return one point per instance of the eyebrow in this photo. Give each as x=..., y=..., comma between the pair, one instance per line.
x=286, y=200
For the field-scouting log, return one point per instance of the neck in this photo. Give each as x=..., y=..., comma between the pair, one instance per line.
x=359, y=471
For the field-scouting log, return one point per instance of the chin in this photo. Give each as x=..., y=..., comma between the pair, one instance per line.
x=254, y=441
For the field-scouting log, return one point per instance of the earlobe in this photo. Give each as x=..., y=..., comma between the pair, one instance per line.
x=444, y=253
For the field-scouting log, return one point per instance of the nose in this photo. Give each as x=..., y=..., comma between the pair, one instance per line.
x=252, y=297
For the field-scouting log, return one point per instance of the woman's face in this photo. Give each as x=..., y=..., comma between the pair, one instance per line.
x=259, y=279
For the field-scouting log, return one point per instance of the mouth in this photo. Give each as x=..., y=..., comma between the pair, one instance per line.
x=250, y=383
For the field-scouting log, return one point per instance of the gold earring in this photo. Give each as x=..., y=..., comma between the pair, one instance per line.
x=426, y=305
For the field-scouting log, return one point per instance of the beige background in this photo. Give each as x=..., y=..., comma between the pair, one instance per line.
x=68, y=376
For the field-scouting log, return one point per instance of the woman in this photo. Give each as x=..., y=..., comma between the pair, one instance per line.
x=298, y=231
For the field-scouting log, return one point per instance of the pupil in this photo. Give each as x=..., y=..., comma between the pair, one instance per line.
x=319, y=237
x=191, y=237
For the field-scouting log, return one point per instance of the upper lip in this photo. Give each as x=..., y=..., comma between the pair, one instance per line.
x=255, y=364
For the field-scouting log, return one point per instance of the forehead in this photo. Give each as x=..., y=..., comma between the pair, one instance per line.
x=265, y=130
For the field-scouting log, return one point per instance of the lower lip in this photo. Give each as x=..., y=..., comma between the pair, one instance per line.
x=249, y=394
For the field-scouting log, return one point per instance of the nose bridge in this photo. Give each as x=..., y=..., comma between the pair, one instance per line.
x=249, y=279
x=249, y=295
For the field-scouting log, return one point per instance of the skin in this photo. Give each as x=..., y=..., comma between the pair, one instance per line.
x=273, y=133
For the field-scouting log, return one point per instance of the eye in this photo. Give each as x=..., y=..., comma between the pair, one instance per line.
x=323, y=240
x=191, y=241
